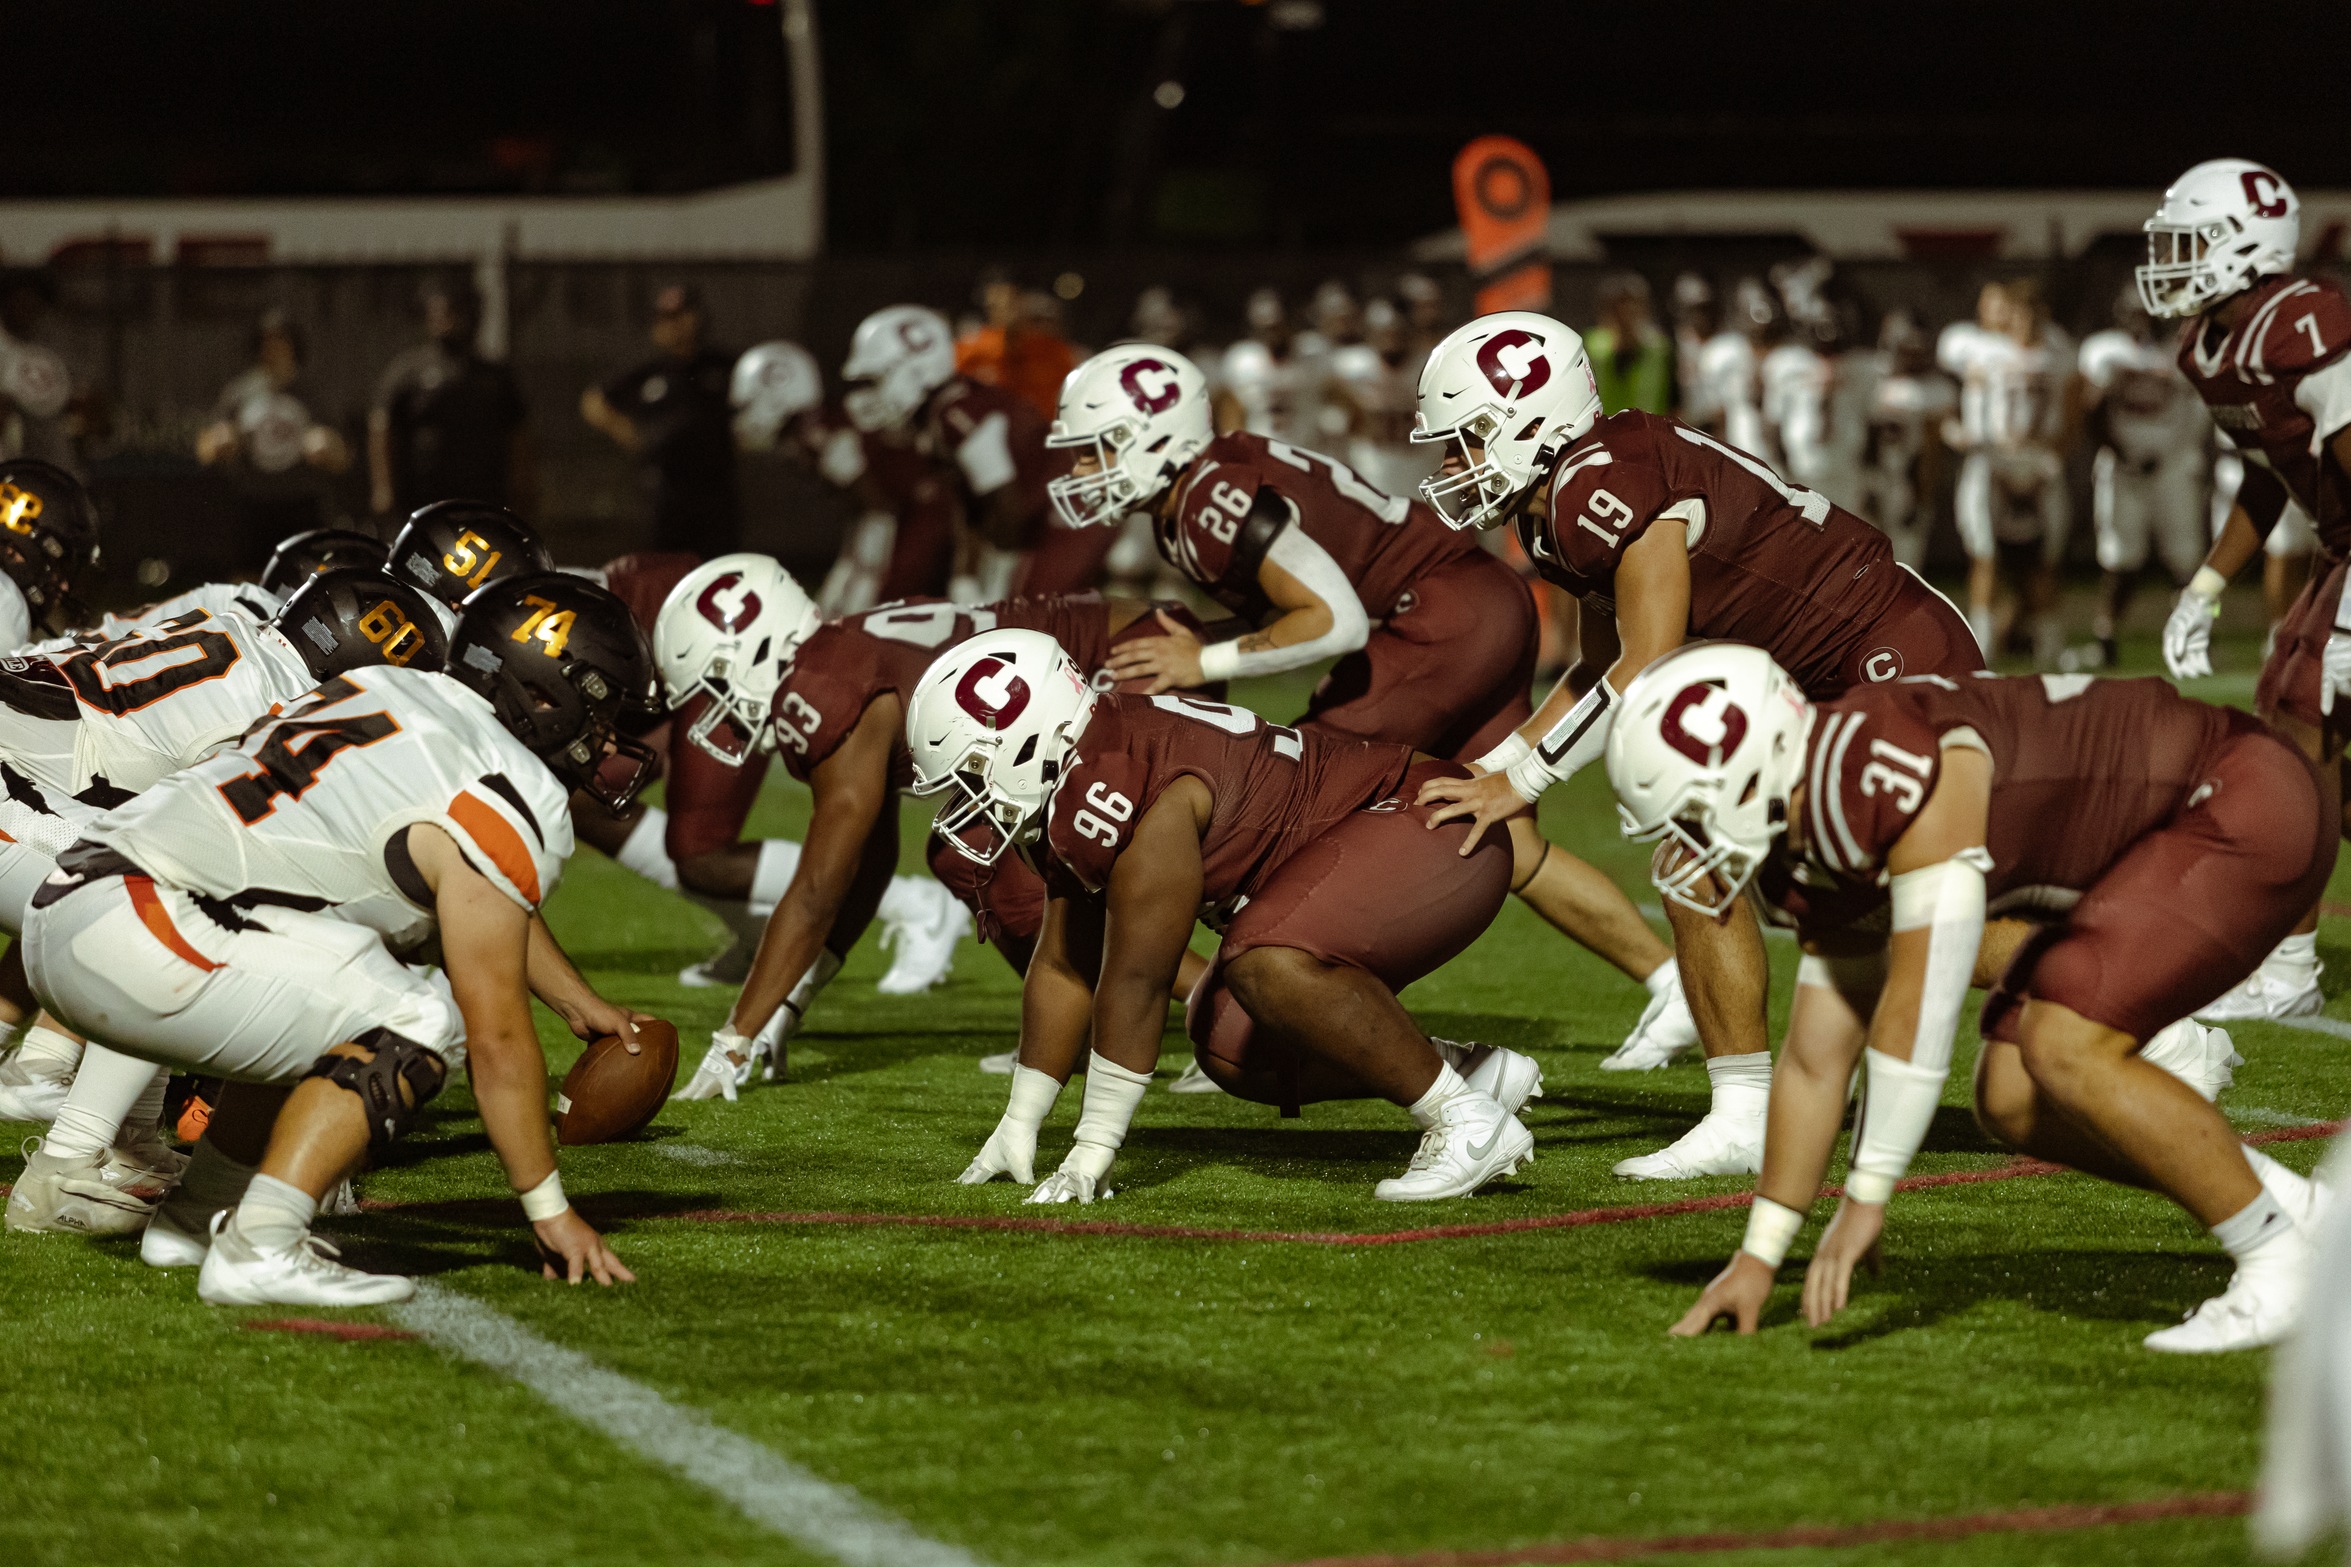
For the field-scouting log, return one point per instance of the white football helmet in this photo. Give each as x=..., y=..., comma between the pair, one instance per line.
x=1519, y=386
x=2223, y=226
x=728, y=632
x=1143, y=412
x=773, y=383
x=995, y=720
x=900, y=355
x=1708, y=745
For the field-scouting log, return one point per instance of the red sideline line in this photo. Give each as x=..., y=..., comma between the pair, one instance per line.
x=2030, y=1520
x=349, y=1332
x=2341, y=911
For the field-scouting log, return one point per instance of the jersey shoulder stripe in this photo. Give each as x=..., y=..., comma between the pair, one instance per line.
x=495, y=836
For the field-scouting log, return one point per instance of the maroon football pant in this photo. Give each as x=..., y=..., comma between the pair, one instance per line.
x=1450, y=673
x=2194, y=906
x=2290, y=680
x=922, y=554
x=1379, y=892
x=1921, y=633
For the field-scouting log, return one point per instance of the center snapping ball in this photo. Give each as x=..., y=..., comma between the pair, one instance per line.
x=609, y=1094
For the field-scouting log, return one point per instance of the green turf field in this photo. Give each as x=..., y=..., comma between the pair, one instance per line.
x=1038, y=1397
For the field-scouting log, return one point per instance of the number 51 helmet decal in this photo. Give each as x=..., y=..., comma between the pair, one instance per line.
x=1503, y=393
x=992, y=725
x=451, y=548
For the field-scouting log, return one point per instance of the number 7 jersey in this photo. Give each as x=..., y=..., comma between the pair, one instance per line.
x=308, y=809
x=1770, y=564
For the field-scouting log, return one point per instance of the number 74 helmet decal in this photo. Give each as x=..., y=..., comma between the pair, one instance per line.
x=1707, y=747
x=992, y=725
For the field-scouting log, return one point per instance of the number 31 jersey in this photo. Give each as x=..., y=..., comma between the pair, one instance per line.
x=1770, y=564
x=308, y=810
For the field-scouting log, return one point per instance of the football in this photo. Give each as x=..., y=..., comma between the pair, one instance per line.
x=609, y=1094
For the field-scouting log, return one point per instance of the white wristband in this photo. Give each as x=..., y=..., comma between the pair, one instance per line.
x=1219, y=661
x=546, y=1200
x=1505, y=756
x=1771, y=1230
x=2207, y=583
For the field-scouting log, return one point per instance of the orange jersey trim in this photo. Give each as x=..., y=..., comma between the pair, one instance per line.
x=157, y=919
x=499, y=841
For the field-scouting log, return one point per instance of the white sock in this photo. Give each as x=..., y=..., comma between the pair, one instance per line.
x=1424, y=1109
x=51, y=1048
x=1661, y=979
x=105, y=1091
x=646, y=853
x=214, y=1180
x=1742, y=1085
x=2261, y=1235
x=2289, y=1187
x=778, y=859
x=2294, y=959
x=274, y=1216
x=1979, y=621
x=907, y=900
x=146, y=1117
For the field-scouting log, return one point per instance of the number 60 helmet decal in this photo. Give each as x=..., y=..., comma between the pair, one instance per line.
x=728, y=632
x=992, y=725
x=1142, y=412
x=1708, y=745
x=1518, y=387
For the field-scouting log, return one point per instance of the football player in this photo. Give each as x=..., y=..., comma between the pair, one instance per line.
x=88, y=730
x=2148, y=479
x=1668, y=535
x=297, y=558
x=2267, y=352
x=246, y=918
x=48, y=539
x=2162, y=844
x=1142, y=811
x=830, y=696
x=1435, y=638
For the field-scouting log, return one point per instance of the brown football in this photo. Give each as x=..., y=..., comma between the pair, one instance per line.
x=609, y=1094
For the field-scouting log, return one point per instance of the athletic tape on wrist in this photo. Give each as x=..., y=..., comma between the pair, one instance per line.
x=1220, y=661
x=546, y=1200
x=1033, y=1096
x=1113, y=1093
x=1771, y=1230
x=1896, y=1110
x=1505, y=756
x=2207, y=583
x=1575, y=742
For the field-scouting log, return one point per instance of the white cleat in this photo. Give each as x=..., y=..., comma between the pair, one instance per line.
x=1665, y=1034
x=236, y=1273
x=1001, y=1063
x=722, y=1075
x=32, y=1093
x=924, y=943
x=2248, y=1315
x=1504, y=1076
x=342, y=1202
x=70, y=1195
x=178, y=1235
x=1474, y=1141
x=1717, y=1145
x=2204, y=1058
x=722, y=971
x=2266, y=997
x=1194, y=1081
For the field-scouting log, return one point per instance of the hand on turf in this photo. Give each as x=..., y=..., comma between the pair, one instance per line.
x=1852, y=1237
x=1010, y=1150
x=1066, y=1185
x=569, y=1241
x=2334, y=671
x=1484, y=800
x=1167, y=662
x=2187, y=636
x=1738, y=1292
x=726, y=1067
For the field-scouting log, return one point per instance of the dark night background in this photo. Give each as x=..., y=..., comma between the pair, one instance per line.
x=960, y=123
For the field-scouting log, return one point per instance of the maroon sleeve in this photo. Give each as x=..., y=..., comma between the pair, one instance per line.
x=1875, y=758
x=2309, y=329
x=1093, y=814
x=1603, y=500
x=642, y=581
x=833, y=678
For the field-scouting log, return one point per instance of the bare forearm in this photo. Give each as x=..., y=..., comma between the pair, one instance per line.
x=1808, y=1097
x=1056, y=1018
x=1130, y=1014
x=2238, y=544
x=510, y=1089
x=553, y=977
x=796, y=932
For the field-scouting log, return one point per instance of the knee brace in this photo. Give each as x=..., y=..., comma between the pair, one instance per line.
x=392, y=1060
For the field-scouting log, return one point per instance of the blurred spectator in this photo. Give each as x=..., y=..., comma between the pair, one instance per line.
x=2147, y=481
x=261, y=434
x=1728, y=366
x=1372, y=390
x=2285, y=555
x=1632, y=358
x=1695, y=321
x=447, y=423
x=1254, y=383
x=1808, y=411
x=39, y=414
x=1425, y=319
x=672, y=414
x=1902, y=464
x=1157, y=318
x=1018, y=345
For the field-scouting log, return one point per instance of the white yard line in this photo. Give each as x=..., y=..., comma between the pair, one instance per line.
x=688, y=1153
x=830, y=1519
x=2262, y=1117
x=2314, y=1025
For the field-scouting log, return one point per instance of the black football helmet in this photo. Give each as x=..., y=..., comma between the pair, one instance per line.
x=301, y=556
x=450, y=548
x=354, y=617
x=569, y=674
x=48, y=535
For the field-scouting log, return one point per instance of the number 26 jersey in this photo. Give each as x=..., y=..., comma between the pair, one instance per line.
x=305, y=810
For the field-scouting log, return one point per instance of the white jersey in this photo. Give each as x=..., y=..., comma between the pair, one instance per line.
x=246, y=598
x=2010, y=394
x=16, y=616
x=1727, y=372
x=2151, y=410
x=304, y=810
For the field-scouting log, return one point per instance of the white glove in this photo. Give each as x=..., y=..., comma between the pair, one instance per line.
x=726, y=1067
x=2187, y=636
x=2334, y=670
x=1080, y=1177
x=1010, y=1150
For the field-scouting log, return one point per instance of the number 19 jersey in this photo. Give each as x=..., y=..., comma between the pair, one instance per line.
x=308, y=810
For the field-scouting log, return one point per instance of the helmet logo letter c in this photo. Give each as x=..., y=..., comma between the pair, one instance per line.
x=1513, y=361
x=1704, y=724
x=992, y=692
x=2265, y=191
x=714, y=603
x=1152, y=399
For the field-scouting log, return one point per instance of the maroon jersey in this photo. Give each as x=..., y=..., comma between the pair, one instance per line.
x=1770, y=564
x=642, y=581
x=1275, y=789
x=2082, y=770
x=1382, y=542
x=986, y=440
x=847, y=664
x=2278, y=384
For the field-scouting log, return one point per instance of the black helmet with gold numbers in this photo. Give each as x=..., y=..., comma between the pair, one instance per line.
x=48, y=535
x=451, y=548
x=355, y=617
x=568, y=673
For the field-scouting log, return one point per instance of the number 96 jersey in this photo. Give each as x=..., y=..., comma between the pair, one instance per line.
x=308, y=810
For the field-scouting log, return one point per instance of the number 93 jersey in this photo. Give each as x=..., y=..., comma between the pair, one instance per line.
x=1771, y=564
x=308, y=809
